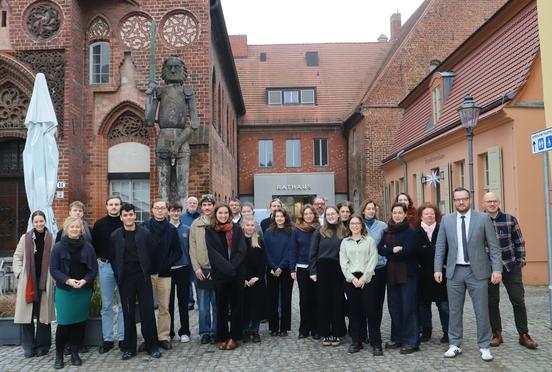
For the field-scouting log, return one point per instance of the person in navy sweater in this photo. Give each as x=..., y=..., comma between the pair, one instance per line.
x=325, y=270
x=278, y=279
x=306, y=224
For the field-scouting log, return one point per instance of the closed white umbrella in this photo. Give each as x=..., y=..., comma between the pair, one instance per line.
x=41, y=156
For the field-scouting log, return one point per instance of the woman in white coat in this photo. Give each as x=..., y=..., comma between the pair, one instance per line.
x=35, y=289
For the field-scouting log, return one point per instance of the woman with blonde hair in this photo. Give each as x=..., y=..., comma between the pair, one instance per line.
x=35, y=287
x=254, y=309
x=73, y=265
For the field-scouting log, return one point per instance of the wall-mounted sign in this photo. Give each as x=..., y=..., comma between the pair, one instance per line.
x=60, y=194
x=305, y=187
x=61, y=184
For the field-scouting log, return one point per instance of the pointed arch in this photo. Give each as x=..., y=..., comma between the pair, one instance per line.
x=114, y=114
x=99, y=29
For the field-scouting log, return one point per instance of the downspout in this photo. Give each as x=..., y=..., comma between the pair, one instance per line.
x=405, y=169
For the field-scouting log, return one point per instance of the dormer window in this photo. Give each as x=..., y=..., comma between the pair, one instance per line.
x=291, y=96
x=440, y=87
x=437, y=100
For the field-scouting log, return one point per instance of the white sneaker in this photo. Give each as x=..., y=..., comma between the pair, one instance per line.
x=184, y=339
x=452, y=351
x=486, y=355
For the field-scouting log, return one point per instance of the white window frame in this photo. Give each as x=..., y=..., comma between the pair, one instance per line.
x=142, y=206
x=293, y=146
x=266, y=153
x=274, y=97
x=305, y=101
x=437, y=99
x=318, y=143
x=291, y=97
x=95, y=78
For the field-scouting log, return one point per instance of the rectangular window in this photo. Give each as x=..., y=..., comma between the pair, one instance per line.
x=262, y=57
x=312, y=58
x=307, y=97
x=134, y=191
x=274, y=97
x=321, y=152
x=291, y=97
x=99, y=63
x=486, y=177
x=437, y=104
x=293, y=153
x=461, y=171
x=265, y=154
x=4, y=18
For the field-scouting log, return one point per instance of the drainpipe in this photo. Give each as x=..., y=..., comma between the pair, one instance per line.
x=405, y=169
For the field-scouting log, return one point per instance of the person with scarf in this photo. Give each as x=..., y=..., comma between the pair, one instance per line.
x=325, y=271
x=429, y=290
x=400, y=246
x=73, y=265
x=358, y=256
x=277, y=240
x=411, y=212
x=346, y=210
x=35, y=288
x=226, y=248
x=254, y=309
x=306, y=224
x=166, y=245
x=375, y=228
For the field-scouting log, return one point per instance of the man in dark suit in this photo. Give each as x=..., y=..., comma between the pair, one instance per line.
x=466, y=234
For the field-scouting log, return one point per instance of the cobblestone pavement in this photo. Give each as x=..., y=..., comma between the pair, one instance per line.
x=290, y=353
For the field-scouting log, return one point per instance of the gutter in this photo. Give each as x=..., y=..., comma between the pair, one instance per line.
x=499, y=102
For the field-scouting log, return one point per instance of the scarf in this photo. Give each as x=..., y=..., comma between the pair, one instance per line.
x=227, y=228
x=307, y=227
x=429, y=229
x=73, y=244
x=412, y=217
x=369, y=222
x=31, y=292
x=157, y=228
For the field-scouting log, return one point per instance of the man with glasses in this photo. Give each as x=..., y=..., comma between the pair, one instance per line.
x=463, y=238
x=319, y=204
x=166, y=245
x=512, y=247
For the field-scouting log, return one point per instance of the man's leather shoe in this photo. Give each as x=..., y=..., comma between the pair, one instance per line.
x=274, y=333
x=392, y=345
x=497, y=339
x=222, y=345
x=283, y=334
x=165, y=345
x=128, y=355
x=205, y=339
x=105, y=347
x=315, y=336
x=155, y=354
x=41, y=352
x=445, y=338
x=353, y=348
x=231, y=344
x=525, y=340
x=377, y=351
x=256, y=338
x=409, y=349
x=302, y=335
x=142, y=347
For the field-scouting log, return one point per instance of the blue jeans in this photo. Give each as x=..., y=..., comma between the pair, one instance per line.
x=107, y=289
x=424, y=314
x=207, y=307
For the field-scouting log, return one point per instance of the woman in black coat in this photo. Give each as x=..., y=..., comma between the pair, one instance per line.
x=400, y=246
x=429, y=290
x=226, y=249
x=254, y=309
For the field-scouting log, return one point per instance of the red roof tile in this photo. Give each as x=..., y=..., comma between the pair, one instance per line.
x=344, y=71
x=498, y=66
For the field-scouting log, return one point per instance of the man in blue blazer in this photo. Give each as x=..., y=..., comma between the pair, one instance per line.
x=467, y=240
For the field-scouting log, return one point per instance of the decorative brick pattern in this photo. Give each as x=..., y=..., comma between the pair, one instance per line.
x=180, y=29
x=135, y=31
x=99, y=30
x=43, y=20
x=13, y=107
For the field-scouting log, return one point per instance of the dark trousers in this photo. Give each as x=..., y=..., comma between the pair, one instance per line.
x=379, y=282
x=514, y=286
x=137, y=287
x=43, y=338
x=191, y=301
x=330, y=298
x=403, y=308
x=361, y=307
x=279, y=298
x=69, y=334
x=229, y=297
x=181, y=288
x=425, y=317
x=307, y=302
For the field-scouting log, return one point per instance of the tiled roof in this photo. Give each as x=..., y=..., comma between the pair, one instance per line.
x=344, y=71
x=498, y=66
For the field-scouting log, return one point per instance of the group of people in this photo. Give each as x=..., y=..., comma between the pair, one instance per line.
x=244, y=272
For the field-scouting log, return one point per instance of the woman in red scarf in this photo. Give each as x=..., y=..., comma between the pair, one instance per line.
x=226, y=248
x=35, y=289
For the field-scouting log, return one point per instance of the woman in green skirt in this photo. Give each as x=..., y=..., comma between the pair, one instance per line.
x=73, y=266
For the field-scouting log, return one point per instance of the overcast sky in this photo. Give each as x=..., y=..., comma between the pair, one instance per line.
x=313, y=21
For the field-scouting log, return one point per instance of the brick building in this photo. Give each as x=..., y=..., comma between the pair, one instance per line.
x=297, y=96
x=95, y=56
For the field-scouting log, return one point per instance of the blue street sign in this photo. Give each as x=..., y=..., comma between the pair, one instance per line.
x=541, y=141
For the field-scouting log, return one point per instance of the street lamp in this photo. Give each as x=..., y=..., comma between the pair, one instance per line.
x=469, y=114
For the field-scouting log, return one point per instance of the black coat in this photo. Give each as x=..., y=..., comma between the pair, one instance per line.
x=60, y=263
x=223, y=268
x=429, y=289
x=144, y=249
x=167, y=250
x=408, y=239
x=255, y=296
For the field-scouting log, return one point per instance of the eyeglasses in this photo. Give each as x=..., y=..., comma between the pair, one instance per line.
x=159, y=208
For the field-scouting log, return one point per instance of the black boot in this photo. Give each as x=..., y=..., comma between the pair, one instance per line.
x=426, y=335
x=58, y=363
x=75, y=358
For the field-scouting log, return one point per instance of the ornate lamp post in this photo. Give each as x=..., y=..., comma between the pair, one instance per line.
x=469, y=115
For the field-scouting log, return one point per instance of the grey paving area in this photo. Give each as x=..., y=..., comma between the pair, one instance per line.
x=291, y=354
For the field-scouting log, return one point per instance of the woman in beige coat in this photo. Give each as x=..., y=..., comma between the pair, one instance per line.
x=35, y=289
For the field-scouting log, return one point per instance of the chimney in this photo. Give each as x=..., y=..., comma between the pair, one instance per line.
x=433, y=64
x=382, y=39
x=395, y=25
x=238, y=44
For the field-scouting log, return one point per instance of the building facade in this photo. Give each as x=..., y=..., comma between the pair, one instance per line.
x=96, y=58
x=499, y=65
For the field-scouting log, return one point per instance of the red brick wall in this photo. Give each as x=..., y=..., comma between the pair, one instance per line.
x=249, y=155
x=441, y=28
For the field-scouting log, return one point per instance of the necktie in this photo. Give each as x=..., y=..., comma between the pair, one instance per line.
x=465, y=240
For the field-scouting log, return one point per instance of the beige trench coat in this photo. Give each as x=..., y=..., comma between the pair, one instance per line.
x=23, y=310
